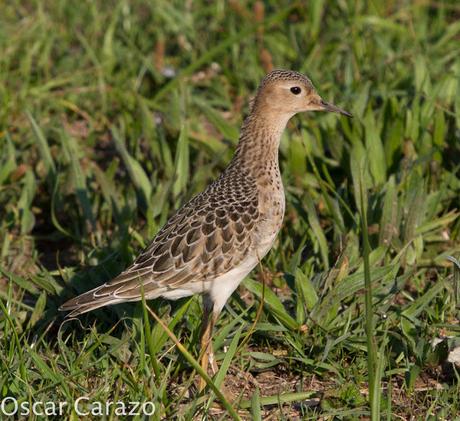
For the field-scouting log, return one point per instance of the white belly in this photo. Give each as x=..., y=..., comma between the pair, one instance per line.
x=223, y=286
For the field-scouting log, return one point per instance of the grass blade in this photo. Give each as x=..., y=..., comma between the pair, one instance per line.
x=280, y=399
x=273, y=303
x=181, y=163
x=43, y=146
x=373, y=381
x=79, y=178
x=135, y=170
x=255, y=406
x=456, y=280
x=194, y=363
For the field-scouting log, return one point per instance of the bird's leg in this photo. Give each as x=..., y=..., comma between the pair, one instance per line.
x=206, y=334
x=210, y=316
x=205, y=337
x=210, y=352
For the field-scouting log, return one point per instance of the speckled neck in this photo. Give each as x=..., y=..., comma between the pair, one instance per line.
x=259, y=141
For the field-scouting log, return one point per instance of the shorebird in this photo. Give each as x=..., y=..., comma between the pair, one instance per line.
x=210, y=244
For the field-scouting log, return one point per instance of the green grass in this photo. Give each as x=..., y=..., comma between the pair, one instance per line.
x=99, y=145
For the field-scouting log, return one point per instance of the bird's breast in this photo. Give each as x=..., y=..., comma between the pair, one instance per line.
x=271, y=212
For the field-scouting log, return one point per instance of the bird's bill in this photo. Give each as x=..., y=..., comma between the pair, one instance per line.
x=327, y=106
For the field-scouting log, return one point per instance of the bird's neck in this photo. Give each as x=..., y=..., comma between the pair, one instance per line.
x=259, y=141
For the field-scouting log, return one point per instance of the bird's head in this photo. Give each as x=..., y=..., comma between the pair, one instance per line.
x=287, y=92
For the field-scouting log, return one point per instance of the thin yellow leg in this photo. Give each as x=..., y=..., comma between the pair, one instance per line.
x=207, y=355
x=206, y=342
x=209, y=349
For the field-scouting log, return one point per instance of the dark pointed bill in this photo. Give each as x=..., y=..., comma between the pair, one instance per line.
x=327, y=106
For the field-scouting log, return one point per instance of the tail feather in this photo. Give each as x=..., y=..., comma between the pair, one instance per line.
x=87, y=302
x=127, y=286
x=76, y=311
x=105, y=295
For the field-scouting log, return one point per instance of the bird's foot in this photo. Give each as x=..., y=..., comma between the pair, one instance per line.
x=212, y=361
x=209, y=366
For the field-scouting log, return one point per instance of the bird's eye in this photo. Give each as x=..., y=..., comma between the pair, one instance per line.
x=296, y=90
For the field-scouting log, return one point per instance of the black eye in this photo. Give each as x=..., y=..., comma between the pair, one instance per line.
x=296, y=90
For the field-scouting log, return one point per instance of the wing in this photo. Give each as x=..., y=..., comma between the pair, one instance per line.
x=206, y=238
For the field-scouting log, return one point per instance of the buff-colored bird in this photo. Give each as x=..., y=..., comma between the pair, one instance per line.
x=210, y=244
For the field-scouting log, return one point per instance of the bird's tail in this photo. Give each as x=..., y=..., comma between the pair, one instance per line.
x=88, y=301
